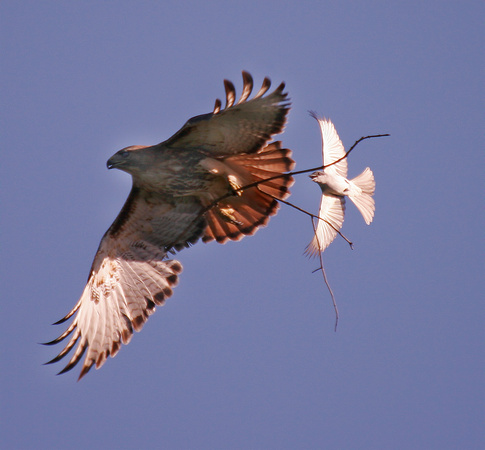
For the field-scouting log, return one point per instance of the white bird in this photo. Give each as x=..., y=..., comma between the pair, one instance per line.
x=335, y=187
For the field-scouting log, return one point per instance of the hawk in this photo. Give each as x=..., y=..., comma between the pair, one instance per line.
x=335, y=187
x=217, y=178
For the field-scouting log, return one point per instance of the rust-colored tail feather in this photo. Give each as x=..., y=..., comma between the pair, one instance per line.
x=249, y=209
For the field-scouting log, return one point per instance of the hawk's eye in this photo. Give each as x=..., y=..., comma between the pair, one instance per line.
x=123, y=153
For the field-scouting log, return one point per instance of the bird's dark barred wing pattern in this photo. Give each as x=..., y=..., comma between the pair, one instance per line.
x=244, y=127
x=130, y=275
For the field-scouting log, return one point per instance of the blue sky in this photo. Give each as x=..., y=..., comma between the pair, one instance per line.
x=244, y=354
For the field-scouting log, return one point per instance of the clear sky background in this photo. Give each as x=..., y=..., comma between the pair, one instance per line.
x=244, y=355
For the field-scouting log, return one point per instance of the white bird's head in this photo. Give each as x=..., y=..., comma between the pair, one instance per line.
x=317, y=176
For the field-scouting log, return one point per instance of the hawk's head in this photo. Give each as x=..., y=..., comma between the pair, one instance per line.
x=127, y=159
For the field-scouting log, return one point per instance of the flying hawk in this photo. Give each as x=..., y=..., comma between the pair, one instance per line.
x=188, y=187
x=335, y=187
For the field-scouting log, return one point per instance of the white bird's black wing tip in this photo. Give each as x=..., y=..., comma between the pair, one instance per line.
x=319, y=118
x=313, y=114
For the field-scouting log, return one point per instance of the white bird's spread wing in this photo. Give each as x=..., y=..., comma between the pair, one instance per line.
x=130, y=276
x=331, y=218
x=332, y=147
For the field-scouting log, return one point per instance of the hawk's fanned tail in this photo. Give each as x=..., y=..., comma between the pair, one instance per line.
x=248, y=209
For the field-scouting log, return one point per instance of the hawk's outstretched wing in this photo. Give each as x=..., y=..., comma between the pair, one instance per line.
x=130, y=275
x=244, y=127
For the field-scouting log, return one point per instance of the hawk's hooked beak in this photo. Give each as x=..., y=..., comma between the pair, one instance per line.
x=121, y=159
x=117, y=159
